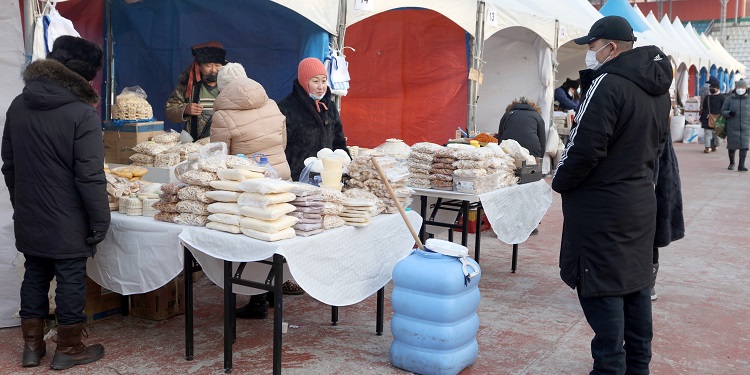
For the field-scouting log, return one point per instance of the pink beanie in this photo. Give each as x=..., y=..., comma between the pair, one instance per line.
x=308, y=68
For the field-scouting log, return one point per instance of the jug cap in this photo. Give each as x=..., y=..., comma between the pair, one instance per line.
x=446, y=248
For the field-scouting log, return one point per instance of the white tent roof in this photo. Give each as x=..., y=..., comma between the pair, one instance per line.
x=323, y=13
x=687, y=55
x=462, y=12
x=698, y=50
x=719, y=49
x=656, y=36
x=516, y=13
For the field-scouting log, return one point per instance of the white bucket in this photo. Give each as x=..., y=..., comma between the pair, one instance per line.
x=677, y=128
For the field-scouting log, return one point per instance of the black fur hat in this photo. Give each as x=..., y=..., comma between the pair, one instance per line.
x=210, y=52
x=79, y=55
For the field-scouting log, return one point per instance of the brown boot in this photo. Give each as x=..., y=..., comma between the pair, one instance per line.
x=707, y=150
x=71, y=351
x=34, y=347
x=713, y=149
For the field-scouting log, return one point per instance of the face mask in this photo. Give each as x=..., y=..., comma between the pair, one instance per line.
x=741, y=91
x=578, y=90
x=713, y=91
x=316, y=97
x=210, y=77
x=591, y=61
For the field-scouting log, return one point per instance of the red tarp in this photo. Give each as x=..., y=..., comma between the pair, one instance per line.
x=408, y=78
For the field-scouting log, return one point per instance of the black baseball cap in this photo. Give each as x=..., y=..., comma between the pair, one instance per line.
x=609, y=27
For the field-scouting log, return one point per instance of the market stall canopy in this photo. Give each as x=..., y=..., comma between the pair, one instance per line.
x=697, y=48
x=323, y=13
x=461, y=12
x=687, y=55
x=508, y=14
x=657, y=35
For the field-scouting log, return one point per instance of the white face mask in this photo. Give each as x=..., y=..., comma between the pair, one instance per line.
x=591, y=61
x=313, y=97
x=741, y=91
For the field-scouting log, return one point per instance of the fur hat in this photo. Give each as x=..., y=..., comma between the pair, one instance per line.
x=308, y=68
x=79, y=55
x=228, y=73
x=713, y=82
x=209, y=52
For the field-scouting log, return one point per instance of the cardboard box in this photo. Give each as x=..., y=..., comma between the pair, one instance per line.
x=119, y=141
x=162, y=303
x=100, y=302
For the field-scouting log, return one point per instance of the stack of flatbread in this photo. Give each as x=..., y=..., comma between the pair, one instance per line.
x=357, y=212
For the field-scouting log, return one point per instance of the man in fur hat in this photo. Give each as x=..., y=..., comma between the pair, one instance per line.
x=191, y=102
x=53, y=164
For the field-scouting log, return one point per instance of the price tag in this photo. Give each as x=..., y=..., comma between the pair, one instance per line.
x=364, y=4
x=491, y=17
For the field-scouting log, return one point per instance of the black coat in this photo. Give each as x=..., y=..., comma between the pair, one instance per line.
x=53, y=163
x=523, y=124
x=670, y=224
x=716, y=102
x=308, y=131
x=606, y=174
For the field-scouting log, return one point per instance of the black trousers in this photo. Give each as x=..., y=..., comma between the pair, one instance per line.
x=623, y=330
x=70, y=295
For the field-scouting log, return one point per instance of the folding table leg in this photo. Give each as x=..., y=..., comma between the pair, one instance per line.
x=423, y=212
x=278, y=265
x=188, y=271
x=380, y=308
x=465, y=224
x=478, y=236
x=334, y=315
x=514, y=261
x=228, y=316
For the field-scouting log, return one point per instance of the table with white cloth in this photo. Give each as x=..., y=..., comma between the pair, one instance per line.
x=513, y=212
x=338, y=267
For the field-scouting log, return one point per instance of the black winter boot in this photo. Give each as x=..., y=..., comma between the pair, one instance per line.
x=71, y=351
x=256, y=308
x=34, y=347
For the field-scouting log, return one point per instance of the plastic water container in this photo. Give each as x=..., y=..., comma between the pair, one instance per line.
x=262, y=161
x=435, y=299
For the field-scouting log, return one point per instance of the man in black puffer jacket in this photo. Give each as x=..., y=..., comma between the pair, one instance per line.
x=606, y=180
x=53, y=163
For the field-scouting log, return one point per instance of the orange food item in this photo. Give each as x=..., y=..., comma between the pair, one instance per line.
x=485, y=138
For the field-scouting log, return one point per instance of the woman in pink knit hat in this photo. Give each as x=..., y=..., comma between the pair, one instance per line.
x=312, y=119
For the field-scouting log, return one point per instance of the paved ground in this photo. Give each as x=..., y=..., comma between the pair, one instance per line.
x=531, y=322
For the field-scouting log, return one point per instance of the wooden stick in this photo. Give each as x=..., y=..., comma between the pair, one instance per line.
x=398, y=204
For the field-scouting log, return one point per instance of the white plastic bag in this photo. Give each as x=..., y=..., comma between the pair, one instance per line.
x=553, y=141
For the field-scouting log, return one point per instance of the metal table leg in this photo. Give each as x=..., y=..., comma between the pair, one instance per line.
x=278, y=265
x=188, y=271
x=423, y=212
x=478, y=236
x=465, y=224
x=514, y=261
x=334, y=315
x=380, y=308
x=228, y=317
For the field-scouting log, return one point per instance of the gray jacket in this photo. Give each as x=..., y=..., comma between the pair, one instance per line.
x=738, y=126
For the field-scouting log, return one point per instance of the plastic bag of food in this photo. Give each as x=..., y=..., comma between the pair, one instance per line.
x=213, y=156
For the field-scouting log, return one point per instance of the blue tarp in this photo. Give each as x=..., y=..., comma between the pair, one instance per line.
x=153, y=38
x=623, y=9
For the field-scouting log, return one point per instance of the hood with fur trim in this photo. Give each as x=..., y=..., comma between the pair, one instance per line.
x=49, y=84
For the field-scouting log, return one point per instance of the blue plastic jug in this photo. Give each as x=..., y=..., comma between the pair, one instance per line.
x=435, y=299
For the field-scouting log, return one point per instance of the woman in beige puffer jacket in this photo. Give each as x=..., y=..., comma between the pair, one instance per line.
x=249, y=122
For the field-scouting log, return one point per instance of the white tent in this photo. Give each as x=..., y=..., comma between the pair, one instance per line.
x=657, y=35
x=704, y=56
x=687, y=55
x=11, y=59
x=323, y=13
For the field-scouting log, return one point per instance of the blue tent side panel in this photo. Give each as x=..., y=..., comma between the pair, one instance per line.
x=623, y=9
x=153, y=38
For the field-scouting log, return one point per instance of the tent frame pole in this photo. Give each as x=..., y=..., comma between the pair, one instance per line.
x=339, y=40
x=555, y=47
x=476, y=69
x=29, y=10
x=110, y=86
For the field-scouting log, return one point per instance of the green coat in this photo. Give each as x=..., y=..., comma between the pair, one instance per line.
x=738, y=126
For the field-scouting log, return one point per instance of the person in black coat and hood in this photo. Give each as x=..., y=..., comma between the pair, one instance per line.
x=711, y=104
x=53, y=164
x=522, y=123
x=312, y=119
x=606, y=180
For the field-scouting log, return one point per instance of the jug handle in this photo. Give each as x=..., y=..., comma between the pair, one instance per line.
x=466, y=265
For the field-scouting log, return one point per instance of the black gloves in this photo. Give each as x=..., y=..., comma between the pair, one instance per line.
x=732, y=113
x=95, y=238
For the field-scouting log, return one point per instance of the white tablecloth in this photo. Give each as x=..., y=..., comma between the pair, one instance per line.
x=513, y=211
x=139, y=255
x=338, y=267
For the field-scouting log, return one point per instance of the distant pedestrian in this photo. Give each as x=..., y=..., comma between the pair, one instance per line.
x=736, y=110
x=711, y=106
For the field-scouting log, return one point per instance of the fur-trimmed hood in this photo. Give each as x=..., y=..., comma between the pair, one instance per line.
x=49, y=84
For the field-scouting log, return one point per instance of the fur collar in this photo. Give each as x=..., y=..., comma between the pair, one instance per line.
x=55, y=71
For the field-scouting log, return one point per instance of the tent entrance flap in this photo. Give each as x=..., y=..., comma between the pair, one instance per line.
x=409, y=78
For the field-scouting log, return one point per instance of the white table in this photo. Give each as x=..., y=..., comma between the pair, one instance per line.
x=513, y=211
x=338, y=267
